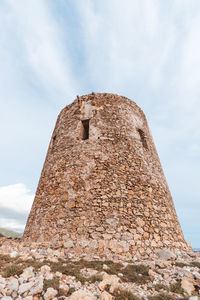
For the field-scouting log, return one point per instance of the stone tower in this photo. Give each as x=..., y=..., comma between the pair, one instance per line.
x=102, y=190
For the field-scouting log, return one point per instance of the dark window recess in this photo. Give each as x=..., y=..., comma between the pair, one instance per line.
x=143, y=138
x=53, y=143
x=85, y=129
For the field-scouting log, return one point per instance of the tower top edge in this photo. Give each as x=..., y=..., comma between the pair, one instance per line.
x=102, y=97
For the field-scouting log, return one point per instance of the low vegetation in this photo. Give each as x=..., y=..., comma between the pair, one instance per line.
x=181, y=264
x=161, y=296
x=176, y=288
x=136, y=273
x=124, y=295
x=53, y=283
x=160, y=286
x=195, y=264
x=131, y=273
x=15, y=266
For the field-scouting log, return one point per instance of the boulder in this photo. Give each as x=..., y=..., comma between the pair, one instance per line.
x=37, y=287
x=82, y=295
x=106, y=296
x=13, y=284
x=109, y=280
x=166, y=254
x=13, y=254
x=187, y=285
x=27, y=273
x=50, y=294
x=25, y=287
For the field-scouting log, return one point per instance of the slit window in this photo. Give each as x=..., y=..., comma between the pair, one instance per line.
x=143, y=138
x=53, y=143
x=85, y=129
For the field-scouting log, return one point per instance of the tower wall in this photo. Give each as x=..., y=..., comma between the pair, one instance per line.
x=102, y=190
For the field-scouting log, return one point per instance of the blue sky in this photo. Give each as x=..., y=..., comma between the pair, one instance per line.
x=51, y=51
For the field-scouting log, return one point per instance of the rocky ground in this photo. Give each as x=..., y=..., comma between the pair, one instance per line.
x=36, y=273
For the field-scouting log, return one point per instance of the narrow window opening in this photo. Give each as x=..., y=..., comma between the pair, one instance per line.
x=143, y=138
x=53, y=143
x=85, y=129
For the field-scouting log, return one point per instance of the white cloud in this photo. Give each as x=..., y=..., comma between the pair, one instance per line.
x=39, y=45
x=12, y=224
x=16, y=197
x=15, y=204
x=127, y=42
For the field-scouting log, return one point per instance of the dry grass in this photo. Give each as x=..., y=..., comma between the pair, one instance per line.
x=176, y=288
x=74, y=268
x=132, y=273
x=13, y=270
x=136, y=273
x=53, y=283
x=124, y=295
x=160, y=286
x=15, y=266
x=195, y=264
x=95, y=278
x=161, y=296
x=181, y=264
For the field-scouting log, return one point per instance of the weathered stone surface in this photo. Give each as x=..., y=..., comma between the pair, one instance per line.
x=69, y=244
x=37, y=287
x=161, y=273
x=25, y=287
x=106, y=296
x=111, y=281
x=82, y=295
x=28, y=273
x=166, y=254
x=102, y=189
x=187, y=285
x=13, y=254
x=13, y=284
x=50, y=294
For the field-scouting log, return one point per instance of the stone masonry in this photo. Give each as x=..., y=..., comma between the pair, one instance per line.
x=102, y=189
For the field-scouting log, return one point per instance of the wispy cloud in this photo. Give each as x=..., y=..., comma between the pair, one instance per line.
x=15, y=204
x=33, y=42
